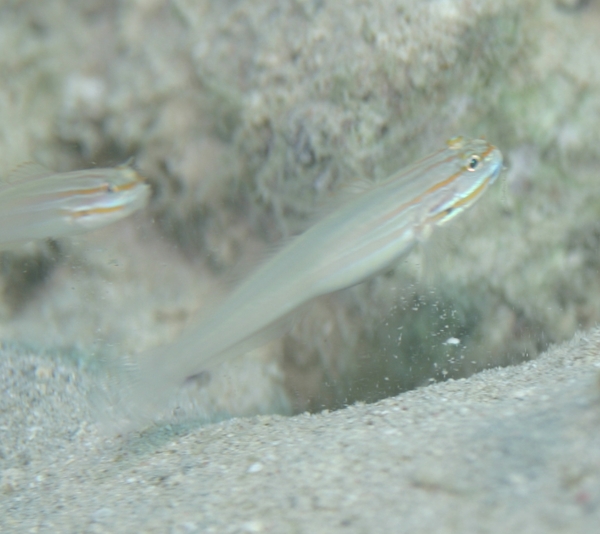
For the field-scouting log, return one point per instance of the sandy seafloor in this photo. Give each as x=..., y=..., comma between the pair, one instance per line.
x=515, y=449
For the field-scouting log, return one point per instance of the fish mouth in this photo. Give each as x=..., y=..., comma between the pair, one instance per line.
x=496, y=170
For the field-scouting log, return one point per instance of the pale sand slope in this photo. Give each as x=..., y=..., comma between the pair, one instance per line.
x=508, y=450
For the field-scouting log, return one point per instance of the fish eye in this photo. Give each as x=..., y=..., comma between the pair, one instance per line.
x=473, y=162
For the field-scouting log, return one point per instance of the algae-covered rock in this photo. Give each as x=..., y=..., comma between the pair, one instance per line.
x=247, y=116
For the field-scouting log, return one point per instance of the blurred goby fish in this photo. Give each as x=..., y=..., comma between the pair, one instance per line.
x=357, y=240
x=36, y=203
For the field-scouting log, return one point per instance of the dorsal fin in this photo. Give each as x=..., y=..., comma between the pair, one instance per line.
x=26, y=171
x=129, y=163
x=356, y=187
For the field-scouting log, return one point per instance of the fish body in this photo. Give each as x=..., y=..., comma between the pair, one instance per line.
x=359, y=239
x=36, y=203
